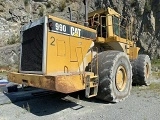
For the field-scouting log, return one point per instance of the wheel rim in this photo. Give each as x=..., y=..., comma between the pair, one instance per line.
x=121, y=78
x=147, y=70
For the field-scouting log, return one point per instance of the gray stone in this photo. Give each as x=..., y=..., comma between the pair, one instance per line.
x=14, y=13
x=9, y=55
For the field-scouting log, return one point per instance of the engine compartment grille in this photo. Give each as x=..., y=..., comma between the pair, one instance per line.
x=32, y=49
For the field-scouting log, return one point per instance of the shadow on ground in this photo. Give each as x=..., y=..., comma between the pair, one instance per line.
x=47, y=102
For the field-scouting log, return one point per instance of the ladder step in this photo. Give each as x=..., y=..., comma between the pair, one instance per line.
x=94, y=80
x=93, y=77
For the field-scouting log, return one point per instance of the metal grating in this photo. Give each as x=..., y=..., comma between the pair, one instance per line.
x=32, y=49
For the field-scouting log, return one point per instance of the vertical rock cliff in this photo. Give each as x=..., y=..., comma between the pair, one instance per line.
x=145, y=15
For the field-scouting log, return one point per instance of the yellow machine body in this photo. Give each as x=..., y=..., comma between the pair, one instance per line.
x=68, y=48
x=71, y=52
x=110, y=20
x=66, y=55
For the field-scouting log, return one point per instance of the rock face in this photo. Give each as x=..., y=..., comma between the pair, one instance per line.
x=145, y=15
x=9, y=56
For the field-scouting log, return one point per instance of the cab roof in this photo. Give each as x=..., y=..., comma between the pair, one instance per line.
x=104, y=11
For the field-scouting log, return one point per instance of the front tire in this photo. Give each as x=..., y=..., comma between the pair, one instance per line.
x=142, y=70
x=115, y=75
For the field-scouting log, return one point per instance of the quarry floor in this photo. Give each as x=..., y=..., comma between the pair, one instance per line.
x=37, y=104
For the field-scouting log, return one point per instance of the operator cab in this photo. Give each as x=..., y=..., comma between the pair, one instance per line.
x=109, y=23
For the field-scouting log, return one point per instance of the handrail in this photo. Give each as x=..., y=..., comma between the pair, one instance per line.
x=122, y=25
x=96, y=17
x=127, y=28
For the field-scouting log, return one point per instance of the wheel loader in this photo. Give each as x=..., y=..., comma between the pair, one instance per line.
x=98, y=57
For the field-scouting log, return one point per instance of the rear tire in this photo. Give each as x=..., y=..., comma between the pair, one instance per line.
x=115, y=75
x=141, y=70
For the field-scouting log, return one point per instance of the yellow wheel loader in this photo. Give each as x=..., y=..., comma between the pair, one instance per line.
x=64, y=56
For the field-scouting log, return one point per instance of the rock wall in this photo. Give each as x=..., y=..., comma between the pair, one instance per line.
x=145, y=15
x=9, y=56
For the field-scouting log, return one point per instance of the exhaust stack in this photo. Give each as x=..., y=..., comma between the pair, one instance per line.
x=86, y=12
x=70, y=13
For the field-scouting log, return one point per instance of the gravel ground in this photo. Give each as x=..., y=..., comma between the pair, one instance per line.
x=142, y=104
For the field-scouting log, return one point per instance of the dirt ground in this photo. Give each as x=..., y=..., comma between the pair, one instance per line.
x=142, y=104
